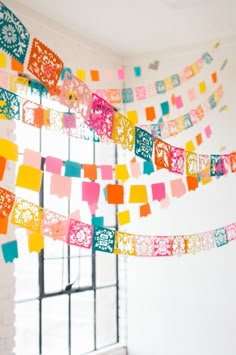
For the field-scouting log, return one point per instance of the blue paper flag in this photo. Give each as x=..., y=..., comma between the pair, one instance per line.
x=165, y=108
x=98, y=221
x=148, y=167
x=72, y=169
x=127, y=95
x=137, y=71
x=10, y=251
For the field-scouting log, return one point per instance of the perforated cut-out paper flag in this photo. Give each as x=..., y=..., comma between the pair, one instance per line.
x=143, y=144
x=103, y=239
x=14, y=37
x=9, y=105
x=45, y=65
x=27, y=215
x=79, y=234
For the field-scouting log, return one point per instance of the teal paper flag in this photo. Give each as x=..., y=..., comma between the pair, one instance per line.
x=72, y=169
x=143, y=144
x=165, y=108
x=10, y=251
x=160, y=87
x=127, y=95
x=175, y=80
x=220, y=237
x=14, y=37
x=64, y=70
x=98, y=221
x=148, y=167
x=103, y=239
x=187, y=121
x=10, y=107
x=137, y=71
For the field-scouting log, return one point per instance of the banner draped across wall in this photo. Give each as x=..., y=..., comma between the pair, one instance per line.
x=92, y=111
x=41, y=222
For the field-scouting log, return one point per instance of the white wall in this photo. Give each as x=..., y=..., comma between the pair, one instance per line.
x=186, y=305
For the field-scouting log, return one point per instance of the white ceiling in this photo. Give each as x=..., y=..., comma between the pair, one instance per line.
x=131, y=27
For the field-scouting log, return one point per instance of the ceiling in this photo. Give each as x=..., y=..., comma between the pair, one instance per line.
x=132, y=27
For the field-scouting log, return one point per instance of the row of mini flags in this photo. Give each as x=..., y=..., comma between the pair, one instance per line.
x=15, y=40
x=103, y=121
x=42, y=223
x=23, y=86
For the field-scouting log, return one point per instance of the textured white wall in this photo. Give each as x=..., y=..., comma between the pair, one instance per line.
x=182, y=306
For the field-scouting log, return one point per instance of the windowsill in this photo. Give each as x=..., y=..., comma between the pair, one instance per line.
x=111, y=350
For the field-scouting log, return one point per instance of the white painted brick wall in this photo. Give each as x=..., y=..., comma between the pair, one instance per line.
x=7, y=278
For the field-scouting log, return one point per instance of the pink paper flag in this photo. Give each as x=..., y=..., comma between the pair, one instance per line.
x=60, y=186
x=108, y=74
x=177, y=188
x=53, y=165
x=140, y=92
x=135, y=168
x=121, y=74
x=158, y=191
x=75, y=215
x=191, y=95
x=32, y=158
x=178, y=102
x=165, y=202
x=207, y=130
x=106, y=172
x=90, y=194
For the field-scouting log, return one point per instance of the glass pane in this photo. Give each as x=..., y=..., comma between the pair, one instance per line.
x=27, y=137
x=26, y=269
x=105, y=269
x=106, y=324
x=76, y=251
x=82, y=323
x=27, y=328
x=54, y=144
x=81, y=151
x=55, y=275
x=55, y=325
x=54, y=248
x=81, y=271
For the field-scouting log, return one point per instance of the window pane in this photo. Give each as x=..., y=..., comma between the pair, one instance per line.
x=82, y=323
x=81, y=271
x=55, y=325
x=106, y=324
x=105, y=269
x=26, y=269
x=55, y=275
x=54, y=248
x=27, y=328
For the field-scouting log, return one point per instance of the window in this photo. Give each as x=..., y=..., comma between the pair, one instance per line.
x=66, y=297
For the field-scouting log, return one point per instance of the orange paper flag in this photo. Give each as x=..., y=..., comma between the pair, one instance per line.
x=192, y=182
x=3, y=224
x=115, y=194
x=90, y=171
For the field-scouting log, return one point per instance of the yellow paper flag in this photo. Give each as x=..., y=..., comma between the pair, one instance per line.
x=81, y=74
x=202, y=87
x=123, y=217
x=29, y=177
x=189, y=146
x=138, y=194
x=8, y=149
x=35, y=242
x=132, y=116
x=121, y=173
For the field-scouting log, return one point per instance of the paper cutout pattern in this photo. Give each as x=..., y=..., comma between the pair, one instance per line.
x=54, y=225
x=80, y=234
x=123, y=131
x=177, y=160
x=14, y=37
x=143, y=144
x=207, y=241
x=103, y=239
x=101, y=118
x=7, y=199
x=45, y=65
x=162, y=154
x=220, y=237
x=144, y=245
x=124, y=244
x=32, y=114
x=76, y=96
x=10, y=104
x=162, y=246
x=27, y=215
x=178, y=245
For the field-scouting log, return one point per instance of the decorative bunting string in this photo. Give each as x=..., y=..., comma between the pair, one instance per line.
x=41, y=222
